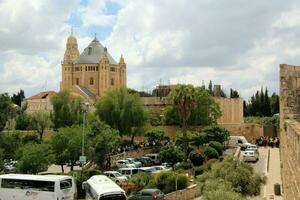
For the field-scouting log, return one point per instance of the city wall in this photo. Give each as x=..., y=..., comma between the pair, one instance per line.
x=290, y=130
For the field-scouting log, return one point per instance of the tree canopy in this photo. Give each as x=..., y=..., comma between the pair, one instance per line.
x=67, y=110
x=122, y=111
x=18, y=98
x=6, y=108
x=40, y=122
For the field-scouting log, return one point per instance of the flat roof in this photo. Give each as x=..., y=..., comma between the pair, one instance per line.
x=34, y=177
x=104, y=185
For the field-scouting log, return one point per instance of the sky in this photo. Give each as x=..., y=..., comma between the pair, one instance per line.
x=236, y=43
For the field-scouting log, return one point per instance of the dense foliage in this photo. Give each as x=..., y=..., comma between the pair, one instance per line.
x=67, y=110
x=261, y=104
x=122, y=111
x=6, y=109
x=170, y=154
x=233, y=176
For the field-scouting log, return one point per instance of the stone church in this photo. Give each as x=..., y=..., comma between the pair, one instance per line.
x=93, y=72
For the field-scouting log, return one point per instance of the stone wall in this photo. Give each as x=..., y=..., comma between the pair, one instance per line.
x=290, y=130
x=232, y=108
x=187, y=194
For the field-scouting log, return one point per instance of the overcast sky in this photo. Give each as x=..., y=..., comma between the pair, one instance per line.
x=236, y=43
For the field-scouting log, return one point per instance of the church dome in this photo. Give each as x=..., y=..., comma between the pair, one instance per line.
x=71, y=40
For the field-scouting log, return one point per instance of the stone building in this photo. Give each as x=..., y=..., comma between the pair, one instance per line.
x=39, y=102
x=91, y=73
x=290, y=130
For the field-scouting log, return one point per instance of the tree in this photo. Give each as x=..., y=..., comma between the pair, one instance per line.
x=23, y=121
x=155, y=136
x=40, y=121
x=66, y=145
x=122, y=111
x=67, y=110
x=198, y=139
x=210, y=87
x=216, y=133
x=274, y=103
x=170, y=154
x=18, y=98
x=193, y=107
x=234, y=93
x=103, y=140
x=5, y=109
x=34, y=158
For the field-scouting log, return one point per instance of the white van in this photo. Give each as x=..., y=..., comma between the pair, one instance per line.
x=238, y=141
x=153, y=157
x=100, y=187
x=47, y=187
x=128, y=172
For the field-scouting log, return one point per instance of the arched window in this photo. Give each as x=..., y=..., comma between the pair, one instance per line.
x=90, y=51
x=91, y=81
x=112, y=81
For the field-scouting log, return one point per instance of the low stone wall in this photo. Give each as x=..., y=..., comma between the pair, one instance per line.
x=187, y=194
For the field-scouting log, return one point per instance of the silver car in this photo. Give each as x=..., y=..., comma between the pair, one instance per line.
x=117, y=177
x=250, y=156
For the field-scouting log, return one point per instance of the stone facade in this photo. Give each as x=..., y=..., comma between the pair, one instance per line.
x=290, y=130
x=92, y=73
x=39, y=102
x=232, y=108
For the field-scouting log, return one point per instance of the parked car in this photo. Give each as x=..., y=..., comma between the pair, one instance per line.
x=147, y=169
x=10, y=167
x=134, y=161
x=252, y=147
x=117, y=177
x=153, y=157
x=128, y=172
x=160, y=168
x=238, y=141
x=146, y=161
x=124, y=164
x=148, y=194
x=250, y=156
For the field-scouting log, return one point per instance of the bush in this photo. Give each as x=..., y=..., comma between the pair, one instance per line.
x=200, y=170
x=166, y=181
x=196, y=156
x=155, y=136
x=210, y=152
x=141, y=180
x=216, y=133
x=30, y=138
x=170, y=154
x=184, y=166
x=217, y=146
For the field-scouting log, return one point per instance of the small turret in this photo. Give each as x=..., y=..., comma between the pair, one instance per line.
x=71, y=53
x=121, y=61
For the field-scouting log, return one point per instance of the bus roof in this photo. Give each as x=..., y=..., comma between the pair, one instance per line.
x=34, y=177
x=103, y=185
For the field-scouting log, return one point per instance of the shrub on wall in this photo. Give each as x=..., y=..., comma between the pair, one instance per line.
x=217, y=146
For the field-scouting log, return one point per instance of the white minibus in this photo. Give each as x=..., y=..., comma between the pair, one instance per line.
x=100, y=187
x=43, y=187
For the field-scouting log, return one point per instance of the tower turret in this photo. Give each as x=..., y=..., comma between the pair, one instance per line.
x=71, y=53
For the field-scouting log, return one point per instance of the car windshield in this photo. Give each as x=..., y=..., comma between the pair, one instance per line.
x=117, y=174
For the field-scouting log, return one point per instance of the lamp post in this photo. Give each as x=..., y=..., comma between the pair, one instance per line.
x=82, y=158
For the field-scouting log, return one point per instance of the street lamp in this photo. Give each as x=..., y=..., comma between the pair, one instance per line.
x=82, y=158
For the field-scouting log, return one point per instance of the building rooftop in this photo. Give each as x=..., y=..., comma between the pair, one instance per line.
x=92, y=54
x=42, y=95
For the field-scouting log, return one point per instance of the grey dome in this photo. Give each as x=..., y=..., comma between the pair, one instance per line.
x=92, y=54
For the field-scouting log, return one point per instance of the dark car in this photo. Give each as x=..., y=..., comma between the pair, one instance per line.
x=146, y=161
x=148, y=194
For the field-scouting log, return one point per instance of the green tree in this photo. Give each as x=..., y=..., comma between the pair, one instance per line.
x=234, y=93
x=210, y=153
x=33, y=158
x=155, y=136
x=67, y=110
x=210, y=87
x=1, y=159
x=10, y=142
x=216, y=133
x=23, y=121
x=18, y=98
x=66, y=144
x=196, y=156
x=197, y=139
x=217, y=146
x=5, y=109
x=40, y=122
x=103, y=140
x=274, y=104
x=170, y=154
x=122, y=111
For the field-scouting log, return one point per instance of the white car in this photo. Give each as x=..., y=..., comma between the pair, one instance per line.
x=252, y=147
x=250, y=156
x=124, y=164
x=135, y=162
x=160, y=168
x=117, y=177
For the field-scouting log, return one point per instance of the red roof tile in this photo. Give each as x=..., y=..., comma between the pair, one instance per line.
x=42, y=95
